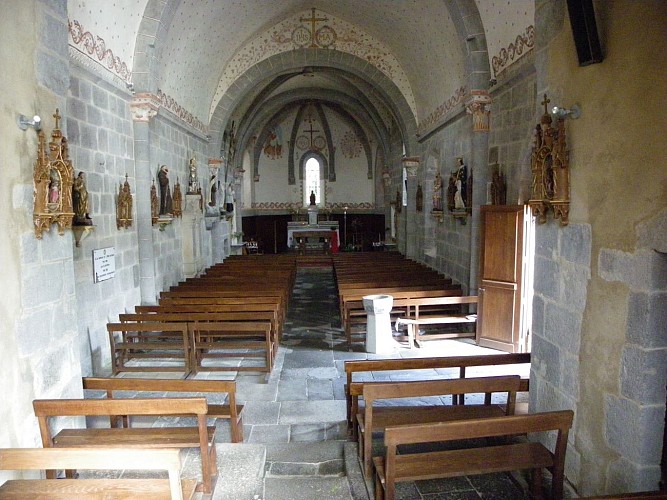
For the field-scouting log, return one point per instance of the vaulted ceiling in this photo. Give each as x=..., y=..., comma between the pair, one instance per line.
x=405, y=62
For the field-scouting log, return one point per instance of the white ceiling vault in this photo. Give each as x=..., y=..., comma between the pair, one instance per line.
x=425, y=50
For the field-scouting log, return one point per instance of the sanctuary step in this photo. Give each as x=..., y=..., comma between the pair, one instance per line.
x=314, y=261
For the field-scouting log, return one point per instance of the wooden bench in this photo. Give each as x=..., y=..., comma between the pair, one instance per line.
x=152, y=341
x=95, y=459
x=353, y=312
x=247, y=334
x=200, y=436
x=354, y=389
x=513, y=456
x=436, y=311
x=377, y=418
x=230, y=411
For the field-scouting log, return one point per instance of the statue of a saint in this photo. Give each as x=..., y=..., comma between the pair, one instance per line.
x=229, y=198
x=437, y=193
x=80, y=201
x=193, y=183
x=312, y=198
x=166, y=207
x=461, y=184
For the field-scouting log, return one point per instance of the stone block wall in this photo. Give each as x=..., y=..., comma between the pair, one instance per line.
x=100, y=134
x=561, y=275
x=513, y=119
x=641, y=384
x=173, y=145
x=445, y=246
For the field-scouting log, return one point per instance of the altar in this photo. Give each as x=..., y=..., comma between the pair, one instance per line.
x=324, y=235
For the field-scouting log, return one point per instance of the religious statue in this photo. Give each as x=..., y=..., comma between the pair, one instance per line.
x=155, y=204
x=419, y=199
x=437, y=193
x=80, y=201
x=166, y=207
x=461, y=185
x=229, y=198
x=498, y=188
x=177, y=200
x=193, y=183
x=214, y=190
x=54, y=191
x=312, y=198
x=124, y=205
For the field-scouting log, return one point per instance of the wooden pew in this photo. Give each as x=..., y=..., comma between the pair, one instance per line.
x=212, y=304
x=378, y=418
x=244, y=335
x=95, y=459
x=149, y=341
x=199, y=436
x=392, y=467
x=354, y=389
x=230, y=411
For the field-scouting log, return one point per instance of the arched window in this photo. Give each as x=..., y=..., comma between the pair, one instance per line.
x=311, y=182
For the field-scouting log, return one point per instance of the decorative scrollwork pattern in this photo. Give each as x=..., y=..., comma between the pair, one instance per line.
x=90, y=44
x=514, y=51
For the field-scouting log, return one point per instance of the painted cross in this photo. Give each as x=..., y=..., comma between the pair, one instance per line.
x=312, y=22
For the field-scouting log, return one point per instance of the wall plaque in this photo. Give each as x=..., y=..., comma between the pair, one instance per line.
x=104, y=264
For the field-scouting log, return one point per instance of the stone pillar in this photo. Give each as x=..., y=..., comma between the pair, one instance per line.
x=479, y=106
x=144, y=107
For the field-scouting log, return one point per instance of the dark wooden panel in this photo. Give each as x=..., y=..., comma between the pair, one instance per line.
x=270, y=231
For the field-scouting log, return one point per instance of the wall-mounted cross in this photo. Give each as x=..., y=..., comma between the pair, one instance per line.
x=312, y=22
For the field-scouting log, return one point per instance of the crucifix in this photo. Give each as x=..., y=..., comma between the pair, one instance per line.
x=312, y=21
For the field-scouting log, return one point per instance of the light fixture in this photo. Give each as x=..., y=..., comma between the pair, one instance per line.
x=25, y=122
x=574, y=112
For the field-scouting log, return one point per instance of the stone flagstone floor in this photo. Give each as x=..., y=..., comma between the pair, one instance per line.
x=296, y=444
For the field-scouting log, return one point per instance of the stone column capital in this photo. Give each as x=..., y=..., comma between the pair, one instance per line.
x=144, y=106
x=478, y=105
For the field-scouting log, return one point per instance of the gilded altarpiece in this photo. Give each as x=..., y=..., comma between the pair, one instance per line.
x=551, y=170
x=53, y=178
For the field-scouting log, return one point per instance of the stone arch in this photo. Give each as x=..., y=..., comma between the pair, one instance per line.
x=336, y=101
x=294, y=61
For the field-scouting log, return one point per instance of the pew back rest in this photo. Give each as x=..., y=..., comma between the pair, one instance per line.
x=45, y=409
x=483, y=427
x=97, y=459
x=506, y=384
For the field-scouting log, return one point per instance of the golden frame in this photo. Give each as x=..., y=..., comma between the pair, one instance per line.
x=53, y=178
x=551, y=170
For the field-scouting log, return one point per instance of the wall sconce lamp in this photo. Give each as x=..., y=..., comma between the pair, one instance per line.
x=574, y=112
x=25, y=122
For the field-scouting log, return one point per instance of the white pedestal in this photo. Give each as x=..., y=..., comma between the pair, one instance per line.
x=312, y=215
x=379, y=338
x=191, y=227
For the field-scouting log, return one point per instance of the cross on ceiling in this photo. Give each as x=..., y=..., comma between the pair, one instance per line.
x=312, y=22
x=311, y=131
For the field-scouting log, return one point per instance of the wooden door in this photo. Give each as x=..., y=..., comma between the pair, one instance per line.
x=503, y=313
